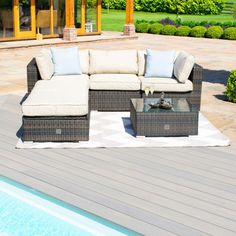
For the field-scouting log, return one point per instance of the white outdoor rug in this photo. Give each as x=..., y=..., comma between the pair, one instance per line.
x=113, y=129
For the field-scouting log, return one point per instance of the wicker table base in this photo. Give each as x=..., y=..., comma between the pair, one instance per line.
x=55, y=129
x=162, y=124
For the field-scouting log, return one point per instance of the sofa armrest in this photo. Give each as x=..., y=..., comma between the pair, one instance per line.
x=33, y=74
x=196, y=78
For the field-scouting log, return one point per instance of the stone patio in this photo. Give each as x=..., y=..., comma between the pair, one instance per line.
x=216, y=56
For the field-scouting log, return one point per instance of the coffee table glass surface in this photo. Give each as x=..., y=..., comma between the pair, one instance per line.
x=149, y=105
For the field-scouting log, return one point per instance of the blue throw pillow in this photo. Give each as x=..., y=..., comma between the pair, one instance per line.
x=159, y=64
x=66, y=61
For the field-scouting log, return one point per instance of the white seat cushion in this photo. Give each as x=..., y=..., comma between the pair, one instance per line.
x=165, y=84
x=114, y=82
x=60, y=96
x=113, y=62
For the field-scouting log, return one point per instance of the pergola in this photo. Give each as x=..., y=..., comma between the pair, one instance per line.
x=70, y=30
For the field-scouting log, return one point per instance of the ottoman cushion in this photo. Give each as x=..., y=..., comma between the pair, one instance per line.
x=60, y=96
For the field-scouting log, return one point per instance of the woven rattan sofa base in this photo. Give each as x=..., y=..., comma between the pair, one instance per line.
x=56, y=129
x=112, y=100
x=164, y=124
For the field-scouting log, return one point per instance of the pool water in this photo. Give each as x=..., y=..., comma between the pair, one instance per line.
x=23, y=213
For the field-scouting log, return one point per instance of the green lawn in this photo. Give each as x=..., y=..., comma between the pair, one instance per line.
x=114, y=19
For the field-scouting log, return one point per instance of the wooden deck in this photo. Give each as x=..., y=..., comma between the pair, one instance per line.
x=154, y=191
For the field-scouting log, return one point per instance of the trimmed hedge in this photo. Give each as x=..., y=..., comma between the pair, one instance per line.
x=196, y=7
x=198, y=31
x=156, y=28
x=183, y=31
x=231, y=87
x=142, y=27
x=214, y=32
x=191, y=24
x=168, y=30
x=230, y=33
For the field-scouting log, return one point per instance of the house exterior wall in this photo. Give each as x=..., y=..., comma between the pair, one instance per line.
x=38, y=19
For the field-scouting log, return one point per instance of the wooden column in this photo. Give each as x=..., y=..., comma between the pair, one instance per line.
x=129, y=28
x=99, y=16
x=69, y=32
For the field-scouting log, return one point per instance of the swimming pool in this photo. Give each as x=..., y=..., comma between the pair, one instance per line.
x=24, y=212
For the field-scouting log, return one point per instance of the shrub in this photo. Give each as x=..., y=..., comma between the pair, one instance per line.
x=231, y=86
x=156, y=28
x=141, y=21
x=214, y=32
x=114, y=4
x=198, y=31
x=168, y=30
x=230, y=33
x=183, y=31
x=142, y=27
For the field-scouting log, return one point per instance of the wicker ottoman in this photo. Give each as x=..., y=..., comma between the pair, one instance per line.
x=57, y=110
x=55, y=129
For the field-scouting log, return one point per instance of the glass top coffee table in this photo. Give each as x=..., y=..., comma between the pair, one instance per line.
x=180, y=120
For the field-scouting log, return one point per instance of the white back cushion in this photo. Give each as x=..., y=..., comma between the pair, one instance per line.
x=159, y=63
x=45, y=64
x=142, y=54
x=84, y=60
x=66, y=61
x=113, y=61
x=142, y=59
x=183, y=66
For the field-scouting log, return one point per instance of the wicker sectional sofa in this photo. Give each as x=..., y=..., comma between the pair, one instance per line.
x=58, y=108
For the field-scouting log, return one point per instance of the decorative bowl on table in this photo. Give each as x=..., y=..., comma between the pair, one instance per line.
x=165, y=105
